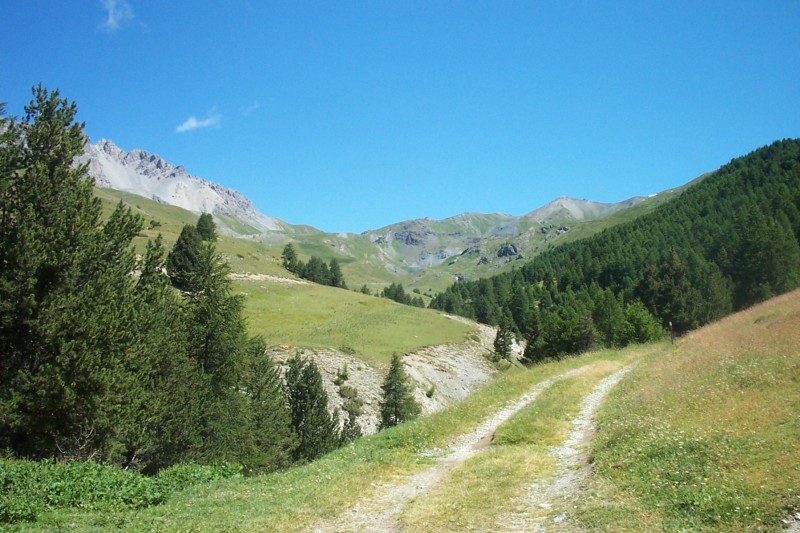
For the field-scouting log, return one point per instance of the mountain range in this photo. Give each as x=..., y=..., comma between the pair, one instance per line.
x=466, y=245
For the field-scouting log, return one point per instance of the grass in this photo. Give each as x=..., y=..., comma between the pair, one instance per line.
x=243, y=255
x=706, y=437
x=297, y=498
x=315, y=316
x=487, y=485
x=702, y=437
x=33, y=487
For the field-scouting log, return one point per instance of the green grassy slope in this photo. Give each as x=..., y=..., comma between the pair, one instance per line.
x=304, y=315
x=315, y=316
x=244, y=255
x=707, y=435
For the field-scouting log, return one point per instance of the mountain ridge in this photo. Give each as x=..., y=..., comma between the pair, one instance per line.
x=148, y=175
x=421, y=252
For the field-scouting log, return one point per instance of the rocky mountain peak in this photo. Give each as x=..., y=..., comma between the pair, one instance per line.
x=566, y=208
x=140, y=172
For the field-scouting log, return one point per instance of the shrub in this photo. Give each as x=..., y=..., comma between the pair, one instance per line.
x=30, y=488
x=341, y=376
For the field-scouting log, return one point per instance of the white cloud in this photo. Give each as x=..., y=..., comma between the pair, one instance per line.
x=118, y=12
x=246, y=111
x=192, y=123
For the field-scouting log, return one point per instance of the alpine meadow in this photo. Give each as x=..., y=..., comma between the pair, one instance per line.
x=171, y=359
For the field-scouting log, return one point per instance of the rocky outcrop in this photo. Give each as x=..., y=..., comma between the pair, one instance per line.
x=508, y=250
x=441, y=375
x=471, y=250
x=148, y=175
x=565, y=208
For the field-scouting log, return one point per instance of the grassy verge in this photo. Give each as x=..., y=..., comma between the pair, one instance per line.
x=706, y=437
x=296, y=498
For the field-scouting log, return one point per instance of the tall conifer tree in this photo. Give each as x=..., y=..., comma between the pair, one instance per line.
x=65, y=289
x=206, y=227
x=398, y=403
x=308, y=402
x=183, y=260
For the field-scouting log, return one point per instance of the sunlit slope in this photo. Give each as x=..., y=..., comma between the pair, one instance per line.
x=706, y=436
x=302, y=315
x=700, y=437
x=243, y=255
x=306, y=315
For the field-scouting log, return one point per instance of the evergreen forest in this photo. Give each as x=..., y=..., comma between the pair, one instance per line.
x=726, y=243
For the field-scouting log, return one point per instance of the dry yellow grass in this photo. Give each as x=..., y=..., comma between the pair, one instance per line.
x=706, y=435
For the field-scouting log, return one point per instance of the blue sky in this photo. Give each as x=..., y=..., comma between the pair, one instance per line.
x=351, y=115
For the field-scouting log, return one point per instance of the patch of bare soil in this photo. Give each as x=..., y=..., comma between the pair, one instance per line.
x=442, y=374
x=548, y=500
x=792, y=523
x=381, y=511
x=265, y=277
x=447, y=373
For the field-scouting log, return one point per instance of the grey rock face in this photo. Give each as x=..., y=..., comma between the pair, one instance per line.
x=508, y=250
x=148, y=175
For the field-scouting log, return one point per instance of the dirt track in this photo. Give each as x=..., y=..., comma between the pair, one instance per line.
x=380, y=511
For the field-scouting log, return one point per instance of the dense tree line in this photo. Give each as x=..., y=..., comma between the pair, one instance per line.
x=725, y=243
x=137, y=361
x=396, y=292
x=316, y=270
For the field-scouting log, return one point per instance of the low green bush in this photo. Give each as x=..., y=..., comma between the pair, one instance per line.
x=29, y=488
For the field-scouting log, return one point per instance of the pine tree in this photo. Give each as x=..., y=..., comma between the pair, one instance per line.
x=217, y=338
x=270, y=417
x=182, y=262
x=289, y=258
x=398, y=403
x=504, y=339
x=65, y=290
x=351, y=429
x=316, y=271
x=160, y=419
x=336, y=276
x=206, y=227
x=217, y=331
x=308, y=402
x=609, y=317
x=533, y=350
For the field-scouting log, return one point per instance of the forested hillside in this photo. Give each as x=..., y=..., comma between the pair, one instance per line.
x=137, y=361
x=726, y=243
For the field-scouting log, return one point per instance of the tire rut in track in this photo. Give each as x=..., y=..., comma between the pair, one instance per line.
x=381, y=511
x=546, y=500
